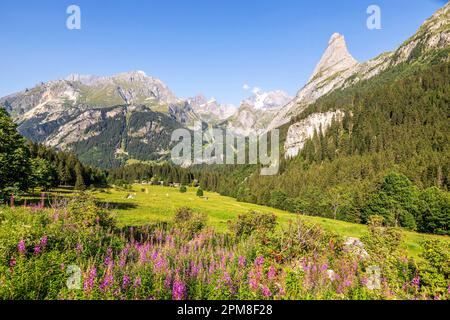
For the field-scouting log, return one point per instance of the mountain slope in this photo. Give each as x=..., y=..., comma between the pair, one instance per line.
x=338, y=70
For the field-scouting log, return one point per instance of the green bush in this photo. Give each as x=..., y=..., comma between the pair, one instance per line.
x=199, y=192
x=435, y=270
x=189, y=221
x=252, y=222
x=183, y=189
x=83, y=211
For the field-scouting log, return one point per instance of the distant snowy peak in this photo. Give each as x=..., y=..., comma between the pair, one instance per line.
x=267, y=100
x=210, y=109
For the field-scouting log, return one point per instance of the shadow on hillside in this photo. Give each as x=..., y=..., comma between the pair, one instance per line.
x=117, y=205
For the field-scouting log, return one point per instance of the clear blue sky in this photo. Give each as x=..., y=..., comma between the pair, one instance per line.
x=208, y=46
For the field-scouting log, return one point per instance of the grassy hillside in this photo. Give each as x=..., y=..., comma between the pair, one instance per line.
x=155, y=203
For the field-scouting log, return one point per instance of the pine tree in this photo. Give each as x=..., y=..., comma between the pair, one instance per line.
x=79, y=182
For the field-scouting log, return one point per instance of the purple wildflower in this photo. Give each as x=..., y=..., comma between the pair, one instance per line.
x=271, y=273
x=259, y=261
x=90, y=280
x=37, y=250
x=43, y=241
x=178, y=290
x=137, y=282
x=12, y=262
x=416, y=281
x=168, y=281
x=125, y=281
x=21, y=246
x=107, y=282
x=266, y=292
x=242, y=261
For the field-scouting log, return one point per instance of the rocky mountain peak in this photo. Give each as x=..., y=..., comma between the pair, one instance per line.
x=267, y=100
x=335, y=59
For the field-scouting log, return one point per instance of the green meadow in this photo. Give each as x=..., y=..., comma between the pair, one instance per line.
x=145, y=204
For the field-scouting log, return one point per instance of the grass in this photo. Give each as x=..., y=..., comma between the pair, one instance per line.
x=158, y=203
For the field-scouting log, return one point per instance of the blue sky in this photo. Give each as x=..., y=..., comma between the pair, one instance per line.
x=195, y=46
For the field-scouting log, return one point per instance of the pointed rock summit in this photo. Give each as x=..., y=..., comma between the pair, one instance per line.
x=335, y=59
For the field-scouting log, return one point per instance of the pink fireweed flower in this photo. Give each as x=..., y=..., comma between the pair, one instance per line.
x=123, y=257
x=37, y=250
x=259, y=261
x=416, y=281
x=12, y=262
x=266, y=292
x=21, y=246
x=178, y=290
x=90, y=280
x=137, y=282
x=126, y=281
x=168, y=281
x=107, y=282
x=43, y=241
x=242, y=262
x=108, y=258
x=271, y=273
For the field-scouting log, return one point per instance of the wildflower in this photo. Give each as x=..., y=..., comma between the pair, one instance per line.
x=43, y=241
x=178, y=290
x=90, y=280
x=108, y=258
x=253, y=283
x=37, y=250
x=271, y=273
x=125, y=281
x=259, y=261
x=107, y=281
x=21, y=246
x=416, y=281
x=123, y=257
x=266, y=292
x=62, y=266
x=12, y=262
x=12, y=201
x=137, y=282
x=168, y=281
x=242, y=262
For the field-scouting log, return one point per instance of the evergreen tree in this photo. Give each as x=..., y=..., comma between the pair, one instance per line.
x=15, y=165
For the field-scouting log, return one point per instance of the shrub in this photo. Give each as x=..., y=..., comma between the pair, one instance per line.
x=435, y=270
x=199, y=192
x=189, y=221
x=248, y=223
x=83, y=211
x=183, y=189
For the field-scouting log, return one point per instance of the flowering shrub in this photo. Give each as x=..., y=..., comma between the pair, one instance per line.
x=45, y=255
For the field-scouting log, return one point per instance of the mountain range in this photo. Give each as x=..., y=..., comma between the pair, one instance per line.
x=109, y=120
